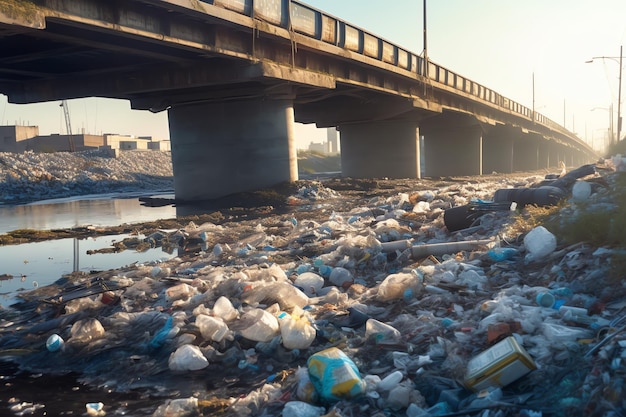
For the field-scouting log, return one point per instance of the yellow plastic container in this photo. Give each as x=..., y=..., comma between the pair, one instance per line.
x=498, y=366
x=334, y=375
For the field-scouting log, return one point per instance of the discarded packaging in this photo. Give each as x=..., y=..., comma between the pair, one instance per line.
x=539, y=243
x=498, y=366
x=334, y=375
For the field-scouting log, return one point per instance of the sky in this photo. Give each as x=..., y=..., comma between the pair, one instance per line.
x=502, y=44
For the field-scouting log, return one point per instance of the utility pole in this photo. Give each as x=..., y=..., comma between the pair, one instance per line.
x=425, y=43
x=533, y=97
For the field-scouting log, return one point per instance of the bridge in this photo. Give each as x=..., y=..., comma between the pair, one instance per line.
x=234, y=76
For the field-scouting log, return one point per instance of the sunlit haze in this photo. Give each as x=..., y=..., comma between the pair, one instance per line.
x=498, y=43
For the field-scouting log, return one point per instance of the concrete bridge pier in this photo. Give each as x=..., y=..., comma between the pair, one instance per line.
x=453, y=146
x=526, y=152
x=498, y=149
x=380, y=149
x=230, y=146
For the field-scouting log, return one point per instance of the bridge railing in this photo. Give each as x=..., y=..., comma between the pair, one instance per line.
x=301, y=18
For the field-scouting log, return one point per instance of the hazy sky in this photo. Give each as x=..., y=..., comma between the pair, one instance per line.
x=498, y=43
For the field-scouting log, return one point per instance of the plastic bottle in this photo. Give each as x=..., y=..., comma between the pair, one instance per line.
x=334, y=375
x=310, y=282
x=545, y=299
x=390, y=381
x=502, y=254
x=55, y=343
x=212, y=328
x=381, y=333
x=340, y=276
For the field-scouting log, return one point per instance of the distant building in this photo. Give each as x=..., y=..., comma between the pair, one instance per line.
x=13, y=138
x=18, y=139
x=332, y=137
x=330, y=147
x=160, y=145
x=126, y=142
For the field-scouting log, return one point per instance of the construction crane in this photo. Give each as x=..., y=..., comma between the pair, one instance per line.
x=66, y=112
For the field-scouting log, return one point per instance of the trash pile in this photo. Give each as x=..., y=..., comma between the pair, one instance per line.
x=32, y=176
x=400, y=305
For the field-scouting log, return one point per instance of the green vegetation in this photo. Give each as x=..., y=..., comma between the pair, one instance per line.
x=588, y=224
x=598, y=227
x=310, y=162
x=618, y=148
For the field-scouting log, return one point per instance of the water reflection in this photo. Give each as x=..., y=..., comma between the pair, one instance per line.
x=101, y=210
x=37, y=264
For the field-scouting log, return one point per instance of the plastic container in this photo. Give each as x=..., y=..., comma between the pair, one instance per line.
x=310, y=283
x=539, y=243
x=181, y=291
x=545, y=299
x=498, y=366
x=390, y=381
x=540, y=196
x=381, y=333
x=224, y=309
x=54, y=343
x=502, y=254
x=187, y=358
x=212, y=328
x=334, y=375
x=340, y=277
x=263, y=325
x=394, y=286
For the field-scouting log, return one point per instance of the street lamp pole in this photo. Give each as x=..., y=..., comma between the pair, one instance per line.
x=619, y=92
x=619, y=97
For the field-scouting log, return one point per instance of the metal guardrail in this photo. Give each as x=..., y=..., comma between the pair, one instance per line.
x=306, y=20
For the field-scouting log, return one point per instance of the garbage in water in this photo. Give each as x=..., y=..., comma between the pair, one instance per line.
x=366, y=307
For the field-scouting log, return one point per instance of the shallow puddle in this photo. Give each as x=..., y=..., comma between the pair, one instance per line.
x=30, y=265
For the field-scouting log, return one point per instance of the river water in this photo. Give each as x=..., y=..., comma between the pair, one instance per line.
x=26, y=266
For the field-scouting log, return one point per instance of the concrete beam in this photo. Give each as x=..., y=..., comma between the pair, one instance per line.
x=226, y=147
x=380, y=149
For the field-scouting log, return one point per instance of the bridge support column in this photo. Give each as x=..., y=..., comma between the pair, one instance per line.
x=227, y=147
x=380, y=149
x=526, y=152
x=554, y=151
x=498, y=149
x=453, y=150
